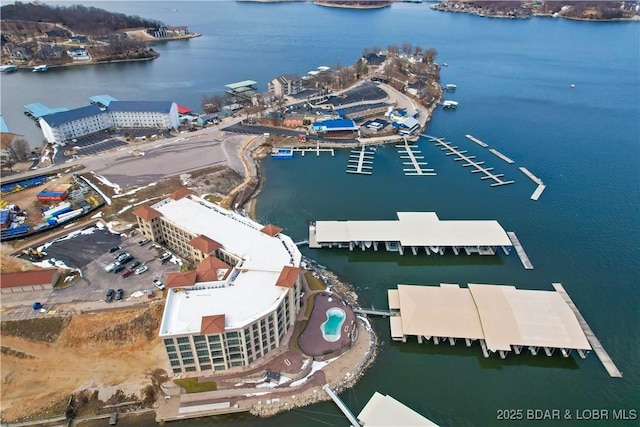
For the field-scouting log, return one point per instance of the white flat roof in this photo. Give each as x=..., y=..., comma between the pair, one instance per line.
x=384, y=411
x=501, y=315
x=254, y=292
x=415, y=229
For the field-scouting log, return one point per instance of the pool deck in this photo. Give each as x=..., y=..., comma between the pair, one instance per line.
x=312, y=342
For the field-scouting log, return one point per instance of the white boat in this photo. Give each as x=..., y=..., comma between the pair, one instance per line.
x=40, y=68
x=444, y=64
x=8, y=69
x=451, y=87
x=450, y=105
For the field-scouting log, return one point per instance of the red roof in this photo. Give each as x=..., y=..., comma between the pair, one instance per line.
x=288, y=276
x=179, y=194
x=209, y=268
x=212, y=324
x=146, y=212
x=28, y=278
x=205, y=244
x=271, y=229
x=181, y=280
x=184, y=110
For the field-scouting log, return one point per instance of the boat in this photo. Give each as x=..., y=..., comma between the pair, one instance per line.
x=444, y=64
x=6, y=69
x=451, y=87
x=40, y=68
x=450, y=105
x=282, y=153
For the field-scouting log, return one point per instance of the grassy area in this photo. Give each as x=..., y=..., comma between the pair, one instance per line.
x=300, y=327
x=314, y=283
x=46, y=329
x=191, y=385
x=67, y=278
x=309, y=308
x=212, y=198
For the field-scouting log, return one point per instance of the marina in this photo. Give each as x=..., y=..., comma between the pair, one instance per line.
x=520, y=250
x=416, y=231
x=501, y=318
x=361, y=161
x=598, y=349
x=469, y=161
x=411, y=153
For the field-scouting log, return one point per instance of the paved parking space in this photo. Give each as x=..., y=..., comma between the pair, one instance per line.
x=101, y=146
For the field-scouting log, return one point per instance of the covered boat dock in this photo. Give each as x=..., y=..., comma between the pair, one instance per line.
x=416, y=231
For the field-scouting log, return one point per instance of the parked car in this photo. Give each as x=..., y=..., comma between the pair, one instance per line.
x=109, y=296
x=113, y=249
x=118, y=268
x=165, y=256
x=142, y=269
x=127, y=273
x=134, y=265
x=119, y=294
x=143, y=241
x=158, y=284
x=126, y=259
x=109, y=268
x=122, y=256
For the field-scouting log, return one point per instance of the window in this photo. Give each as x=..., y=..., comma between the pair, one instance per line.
x=237, y=363
x=219, y=368
x=171, y=348
x=168, y=341
x=205, y=367
x=186, y=354
x=184, y=347
x=175, y=363
x=215, y=345
x=183, y=340
x=201, y=345
x=198, y=338
x=214, y=338
x=173, y=356
x=190, y=369
x=202, y=352
x=202, y=360
x=177, y=370
x=188, y=361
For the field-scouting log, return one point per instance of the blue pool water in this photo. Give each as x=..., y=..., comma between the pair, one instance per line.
x=331, y=327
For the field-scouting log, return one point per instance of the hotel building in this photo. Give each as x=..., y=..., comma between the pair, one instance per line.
x=243, y=297
x=65, y=125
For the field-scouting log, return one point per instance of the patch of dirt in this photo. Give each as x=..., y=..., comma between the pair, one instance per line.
x=100, y=353
x=40, y=329
x=9, y=264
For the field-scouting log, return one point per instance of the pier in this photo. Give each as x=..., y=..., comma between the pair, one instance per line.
x=500, y=155
x=598, y=349
x=373, y=311
x=476, y=140
x=345, y=410
x=541, y=186
x=520, y=250
x=411, y=153
x=361, y=161
x=469, y=161
x=315, y=149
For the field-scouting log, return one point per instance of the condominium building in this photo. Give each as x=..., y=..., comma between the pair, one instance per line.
x=242, y=299
x=286, y=84
x=65, y=125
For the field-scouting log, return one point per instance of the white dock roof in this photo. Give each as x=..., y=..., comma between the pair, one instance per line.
x=384, y=411
x=501, y=315
x=415, y=229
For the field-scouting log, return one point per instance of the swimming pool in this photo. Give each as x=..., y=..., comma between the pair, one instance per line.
x=332, y=326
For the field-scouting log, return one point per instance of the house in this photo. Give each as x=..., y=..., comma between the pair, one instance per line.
x=286, y=84
x=417, y=88
x=25, y=281
x=374, y=59
x=78, y=54
x=22, y=53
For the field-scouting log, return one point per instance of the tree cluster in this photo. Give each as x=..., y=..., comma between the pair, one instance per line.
x=82, y=19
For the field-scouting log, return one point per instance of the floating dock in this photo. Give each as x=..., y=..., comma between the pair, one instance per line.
x=315, y=149
x=598, y=349
x=541, y=186
x=411, y=153
x=361, y=161
x=476, y=140
x=500, y=155
x=469, y=161
x=520, y=250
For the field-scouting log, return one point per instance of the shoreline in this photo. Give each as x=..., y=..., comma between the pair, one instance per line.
x=480, y=13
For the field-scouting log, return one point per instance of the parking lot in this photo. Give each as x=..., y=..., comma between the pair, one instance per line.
x=89, y=292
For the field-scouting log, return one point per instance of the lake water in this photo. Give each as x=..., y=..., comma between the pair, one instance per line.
x=514, y=87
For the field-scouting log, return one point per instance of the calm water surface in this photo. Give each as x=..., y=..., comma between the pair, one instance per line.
x=514, y=91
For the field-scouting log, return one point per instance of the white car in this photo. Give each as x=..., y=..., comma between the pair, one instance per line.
x=158, y=284
x=109, y=268
x=141, y=270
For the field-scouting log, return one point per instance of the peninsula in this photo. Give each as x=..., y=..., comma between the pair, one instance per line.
x=42, y=35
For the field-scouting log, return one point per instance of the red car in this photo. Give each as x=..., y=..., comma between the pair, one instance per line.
x=126, y=273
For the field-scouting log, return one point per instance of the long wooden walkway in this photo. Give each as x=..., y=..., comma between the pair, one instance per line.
x=411, y=153
x=500, y=155
x=541, y=186
x=373, y=311
x=476, y=140
x=598, y=349
x=361, y=161
x=453, y=150
x=524, y=259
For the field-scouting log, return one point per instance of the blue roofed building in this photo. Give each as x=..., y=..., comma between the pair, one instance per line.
x=66, y=125
x=335, y=125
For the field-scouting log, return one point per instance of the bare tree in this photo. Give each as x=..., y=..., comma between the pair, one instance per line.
x=417, y=51
x=430, y=55
x=407, y=48
x=393, y=49
x=361, y=68
x=19, y=149
x=212, y=104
